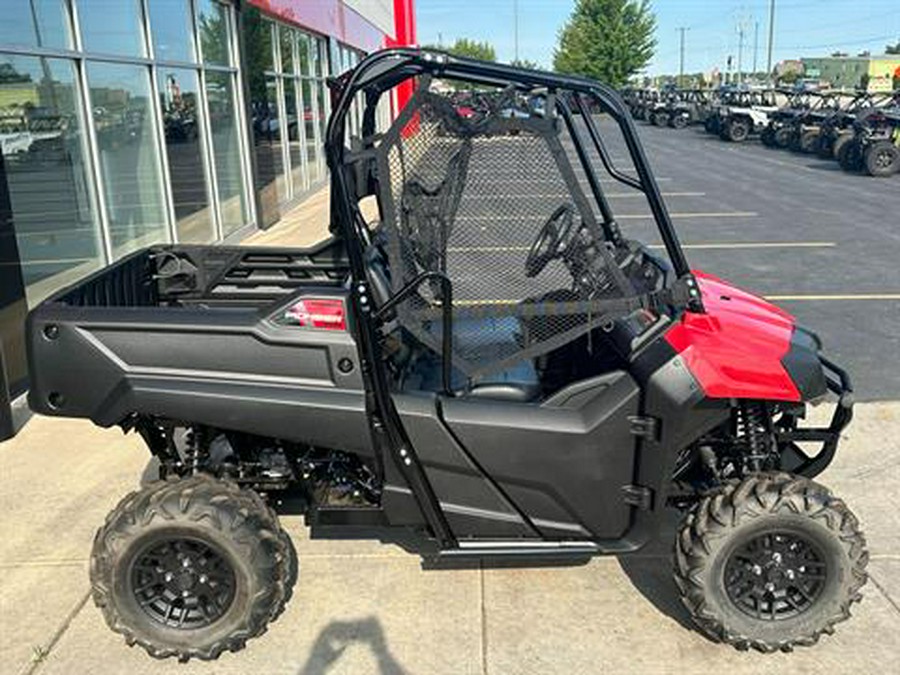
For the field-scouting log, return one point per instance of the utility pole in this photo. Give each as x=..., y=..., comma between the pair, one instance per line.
x=681, y=30
x=755, y=45
x=740, y=70
x=771, y=36
x=516, y=28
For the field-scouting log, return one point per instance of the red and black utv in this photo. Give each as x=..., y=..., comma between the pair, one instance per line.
x=493, y=362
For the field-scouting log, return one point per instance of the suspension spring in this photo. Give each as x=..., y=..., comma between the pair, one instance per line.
x=752, y=429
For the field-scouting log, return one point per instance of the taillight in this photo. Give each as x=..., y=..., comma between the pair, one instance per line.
x=325, y=313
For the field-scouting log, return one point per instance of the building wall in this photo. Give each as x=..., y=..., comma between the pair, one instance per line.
x=882, y=73
x=850, y=72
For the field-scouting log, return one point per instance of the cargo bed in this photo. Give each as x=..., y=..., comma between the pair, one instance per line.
x=197, y=333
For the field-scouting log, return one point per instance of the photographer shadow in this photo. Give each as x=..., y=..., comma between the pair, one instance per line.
x=337, y=636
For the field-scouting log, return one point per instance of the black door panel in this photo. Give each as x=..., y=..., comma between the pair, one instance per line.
x=554, y=460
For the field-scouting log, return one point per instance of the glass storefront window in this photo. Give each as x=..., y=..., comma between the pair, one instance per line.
x=42, y=133
x=286, y=37
x=129, y=162
x=223, y=124
x=35, y=23
x=212, y=24
x=303, y=44
x=170, y=25
x=309, y=121
x=111, y=27
x=292, y=121
x=178, y=98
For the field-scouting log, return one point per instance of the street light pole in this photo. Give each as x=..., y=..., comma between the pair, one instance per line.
x=755, y=45
x=681, y=30
x=771, y=36
x=516, y=28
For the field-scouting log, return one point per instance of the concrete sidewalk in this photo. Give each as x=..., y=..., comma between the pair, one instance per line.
x=364, y=607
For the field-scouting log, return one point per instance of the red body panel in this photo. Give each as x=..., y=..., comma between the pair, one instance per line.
x=734, y=350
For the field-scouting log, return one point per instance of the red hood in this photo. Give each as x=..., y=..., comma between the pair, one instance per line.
x=734, y=350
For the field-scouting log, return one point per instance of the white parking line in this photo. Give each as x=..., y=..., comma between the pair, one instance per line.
x=707, y=246
x=723, y=214
x=760, y=244
x=624, y=195
x=851, y=296
x=641, y=216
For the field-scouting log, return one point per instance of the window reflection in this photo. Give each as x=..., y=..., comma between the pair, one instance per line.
x=35, y=23
x=123, y=119
x=170, y=25
x=286, y=36
x=111, y=27
x=47, y=176
x=184, y=150
x=212, y=22
x=223, y=124
x=309, y=121
x=292, y=122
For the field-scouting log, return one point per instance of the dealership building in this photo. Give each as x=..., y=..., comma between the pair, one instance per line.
x=125, y=123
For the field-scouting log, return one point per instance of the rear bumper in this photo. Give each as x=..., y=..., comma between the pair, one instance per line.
x=798, y=461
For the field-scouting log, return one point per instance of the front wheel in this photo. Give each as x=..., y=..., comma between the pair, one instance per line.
x=191, y=567
x=882, y=159
x=737, y=131
x=679, y=122
x=770, y=563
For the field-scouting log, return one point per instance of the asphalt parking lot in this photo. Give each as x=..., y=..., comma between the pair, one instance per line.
x=822, y=243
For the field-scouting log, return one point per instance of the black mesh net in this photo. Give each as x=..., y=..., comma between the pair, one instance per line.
x=466, y=191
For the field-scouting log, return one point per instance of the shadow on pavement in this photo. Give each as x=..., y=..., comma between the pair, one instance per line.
x=650, y=571
x=334, y=639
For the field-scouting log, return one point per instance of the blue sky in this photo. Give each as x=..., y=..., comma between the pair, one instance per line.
x=802, y=28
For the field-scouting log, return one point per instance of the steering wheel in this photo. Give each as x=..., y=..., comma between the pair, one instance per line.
x=546, y=245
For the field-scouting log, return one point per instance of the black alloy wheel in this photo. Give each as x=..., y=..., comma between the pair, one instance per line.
x=775, y=575
x=183, y=583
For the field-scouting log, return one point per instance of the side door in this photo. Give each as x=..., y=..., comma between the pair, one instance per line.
x=562, y=463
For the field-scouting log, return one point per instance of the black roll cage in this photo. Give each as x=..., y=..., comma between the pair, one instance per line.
x=382, y=71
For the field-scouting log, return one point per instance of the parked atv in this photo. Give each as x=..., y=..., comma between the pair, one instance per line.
x=806, y=126
x=780, y=128
x=493, y=363
x=747, y=117
x=837, y=129
x=875, y=147
x=690, y=109
x=645, y=100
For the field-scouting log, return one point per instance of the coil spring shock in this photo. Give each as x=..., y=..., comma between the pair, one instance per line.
x=752, y=427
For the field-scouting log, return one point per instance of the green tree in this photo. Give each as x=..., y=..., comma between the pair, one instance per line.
x=473, y=49
x=607, y=40
x=526, y=63
x=893, y=49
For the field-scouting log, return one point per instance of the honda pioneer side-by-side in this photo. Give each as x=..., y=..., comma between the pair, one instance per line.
x=494, y=364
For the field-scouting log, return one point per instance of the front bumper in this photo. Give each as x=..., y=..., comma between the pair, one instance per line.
x=788, y=434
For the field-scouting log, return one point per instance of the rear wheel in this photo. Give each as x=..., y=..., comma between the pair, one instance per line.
x=782, y=137
x=710, y=125
x=850, y=156
x=838, y=143
x=882, y=159
x=809, y=141
x=191, y=567
x=737, y=131
x=767, y=137
x=661, y=119
x=770, y=563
